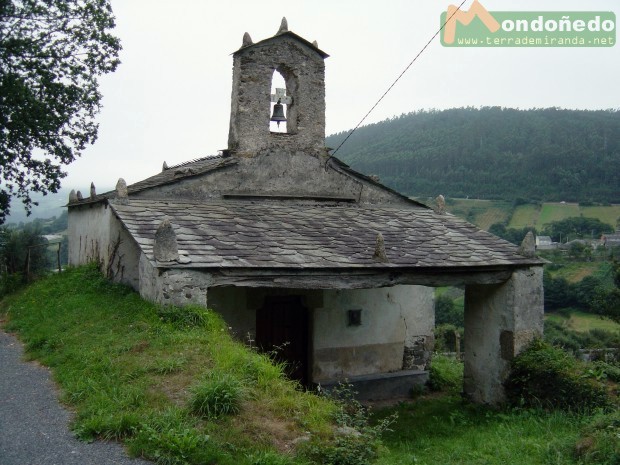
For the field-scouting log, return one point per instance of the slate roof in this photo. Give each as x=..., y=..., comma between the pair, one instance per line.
x=168, y=176
x=232, y=234
x=184, y=170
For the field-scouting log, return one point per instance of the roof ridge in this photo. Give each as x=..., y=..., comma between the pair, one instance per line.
x=195, y=160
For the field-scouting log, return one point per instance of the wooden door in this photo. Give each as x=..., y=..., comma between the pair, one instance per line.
x=282, y=329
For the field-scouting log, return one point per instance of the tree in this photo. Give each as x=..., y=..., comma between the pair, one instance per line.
x=52, y=53
x=23, y=250
x=607, y=301
x=448, y=313
x=577, y=227
x=513, y=235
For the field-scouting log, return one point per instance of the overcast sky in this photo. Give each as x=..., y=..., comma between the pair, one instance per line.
x=170, y=98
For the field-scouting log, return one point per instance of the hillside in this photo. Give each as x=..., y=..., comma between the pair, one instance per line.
x=484, y=213
x=493, y=153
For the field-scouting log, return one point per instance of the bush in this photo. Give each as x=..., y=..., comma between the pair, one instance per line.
x=607, y=370
x=559, y=336
x=9, y=283
x=446, y=312
x=545, y=376
x=446, y=373
x=445, y=337
x=218, y=395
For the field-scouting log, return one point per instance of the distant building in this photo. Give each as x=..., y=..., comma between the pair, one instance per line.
x=611, y=240
x=54, y=238
x=545, y=243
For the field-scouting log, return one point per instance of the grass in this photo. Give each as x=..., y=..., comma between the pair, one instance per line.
x=583, y=322
x=524, y=215
x=443, y=429
x=556, y=211
x=484, y=213
x=494, y=214
x=609, y=215
x=574, y=272
x=172, y=384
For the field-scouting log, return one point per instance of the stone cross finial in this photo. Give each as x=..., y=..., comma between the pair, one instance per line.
x=79, y=196
x=528, y=246
x=93, y=192
x=281, y=97
x=166, y=248
x=380, y=255
x=73, y=196
x=122, y=196
x=440, y=203
x=247, y=40
x=283, y=26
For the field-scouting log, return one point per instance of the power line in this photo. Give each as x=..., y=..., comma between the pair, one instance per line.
x=399, y=76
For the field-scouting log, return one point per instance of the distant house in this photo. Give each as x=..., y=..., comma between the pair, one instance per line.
x=611, y=240
x=545, y=243
x=53, y=238
x=297, y=250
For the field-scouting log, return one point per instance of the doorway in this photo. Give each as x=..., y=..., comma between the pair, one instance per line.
x=282, y=329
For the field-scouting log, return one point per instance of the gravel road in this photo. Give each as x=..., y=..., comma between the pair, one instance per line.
x=34, y=426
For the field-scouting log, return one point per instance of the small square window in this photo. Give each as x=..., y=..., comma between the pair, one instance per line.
x=354, y=317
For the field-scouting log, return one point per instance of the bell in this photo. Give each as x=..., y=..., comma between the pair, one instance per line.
x=278, y=113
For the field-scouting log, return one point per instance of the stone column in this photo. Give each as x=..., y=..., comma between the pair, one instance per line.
x=500, y=320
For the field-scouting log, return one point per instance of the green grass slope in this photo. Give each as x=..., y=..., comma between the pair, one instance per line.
x=171, y=383
x=484, y=213
x=539, y=216
x=583, y=322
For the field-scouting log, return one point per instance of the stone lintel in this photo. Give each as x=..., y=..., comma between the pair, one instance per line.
x=351, y=279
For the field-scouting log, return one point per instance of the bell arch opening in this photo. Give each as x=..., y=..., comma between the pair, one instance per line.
x=282, y=108
x=278, y=106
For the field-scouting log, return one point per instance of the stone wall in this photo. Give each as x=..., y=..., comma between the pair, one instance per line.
x=96, y=235
x=277, y=172
x=173, y=286
x=392, y=319
x=500, y=320
x=303, y=70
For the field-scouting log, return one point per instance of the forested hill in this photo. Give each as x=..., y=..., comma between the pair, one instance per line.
x=493, y=153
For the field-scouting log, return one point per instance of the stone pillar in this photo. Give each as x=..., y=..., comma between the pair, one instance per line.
x=500, y=320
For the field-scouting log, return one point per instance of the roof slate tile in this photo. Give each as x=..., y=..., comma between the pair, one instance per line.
x=234, y=233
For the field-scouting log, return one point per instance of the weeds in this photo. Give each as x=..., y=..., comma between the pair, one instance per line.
x=356, y=440
x=219, y=394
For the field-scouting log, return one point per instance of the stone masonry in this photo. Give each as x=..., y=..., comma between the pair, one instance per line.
x=301, y=65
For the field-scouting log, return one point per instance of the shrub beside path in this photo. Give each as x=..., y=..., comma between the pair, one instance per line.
x=34, y=427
